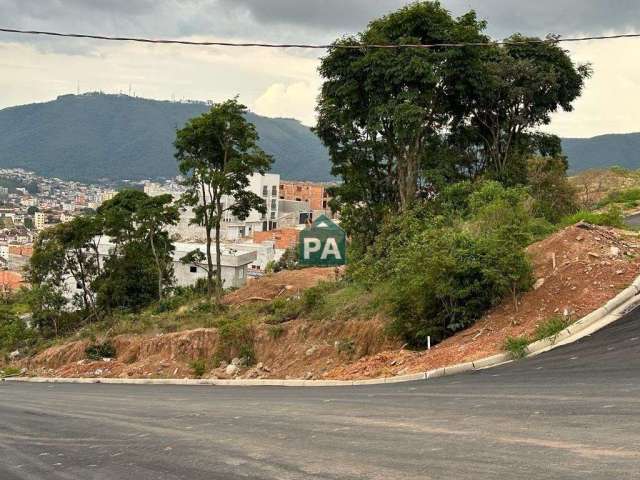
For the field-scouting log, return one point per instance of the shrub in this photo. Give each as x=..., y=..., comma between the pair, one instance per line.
x=275, y=331
x=554, y=197
x=517, y=346
x=346, y=346
x=198, y=368
x=551, y=328
x=438, y=294
x=611, y=218
x=236, y=339
x=98, y=351
x=283, y=310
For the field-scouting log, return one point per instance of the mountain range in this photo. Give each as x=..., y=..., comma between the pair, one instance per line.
x=96, y=137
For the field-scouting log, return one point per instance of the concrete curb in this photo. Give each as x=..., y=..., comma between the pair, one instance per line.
x=587, y=325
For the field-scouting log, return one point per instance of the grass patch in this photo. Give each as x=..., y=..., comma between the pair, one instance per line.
x=98, y=351
x=517, y=346
x=611, y=218
x=275, y=331
x=551, y=328
x=629, y=198
x=198, y=368
x=9, y=372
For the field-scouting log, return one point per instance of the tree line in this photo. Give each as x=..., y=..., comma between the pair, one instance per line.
x=73, y=280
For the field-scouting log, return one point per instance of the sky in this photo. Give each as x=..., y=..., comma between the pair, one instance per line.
x=285, y=83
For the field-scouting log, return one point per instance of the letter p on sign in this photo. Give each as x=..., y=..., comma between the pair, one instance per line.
x=311, y=246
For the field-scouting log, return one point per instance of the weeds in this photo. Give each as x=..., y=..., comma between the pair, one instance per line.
x=98, y=351
x=236, y=339
x=517, y=346
x=551, y=328
x=198, y=368
x=611, y=218
x=9, y=372
x=346, y=346
x=275, y=331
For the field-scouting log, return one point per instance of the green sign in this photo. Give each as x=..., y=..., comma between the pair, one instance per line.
x=323, y=244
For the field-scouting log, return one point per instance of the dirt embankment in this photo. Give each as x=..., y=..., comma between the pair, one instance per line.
x=577, y=270
x=301, y=348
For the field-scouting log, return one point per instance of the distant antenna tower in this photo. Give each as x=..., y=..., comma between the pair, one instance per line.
x=78, y=88
x=129, y=89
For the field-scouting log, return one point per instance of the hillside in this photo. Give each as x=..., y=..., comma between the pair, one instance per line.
x=96, y=136
x=603, y=151
x=343, y=335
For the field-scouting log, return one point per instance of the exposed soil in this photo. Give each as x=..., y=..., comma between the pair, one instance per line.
x=578, y=270
x=282, y=284
x=590, y=267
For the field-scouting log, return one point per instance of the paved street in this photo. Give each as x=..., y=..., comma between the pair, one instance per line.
x=573, y=413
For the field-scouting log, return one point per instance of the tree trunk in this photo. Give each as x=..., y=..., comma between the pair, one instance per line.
x=209, y=263
x=407, y=180
x=158, y=267
x=218, y=251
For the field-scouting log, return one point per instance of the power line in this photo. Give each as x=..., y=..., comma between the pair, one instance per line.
x=550, y=39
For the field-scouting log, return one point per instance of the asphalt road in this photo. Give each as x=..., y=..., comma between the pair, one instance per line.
x=573, y=413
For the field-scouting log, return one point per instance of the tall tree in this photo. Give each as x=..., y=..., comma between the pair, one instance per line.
x=380, y=109
x=154, y=214
x=69, y=250
x=524, y=83
x=217, y=153
x=137, y=223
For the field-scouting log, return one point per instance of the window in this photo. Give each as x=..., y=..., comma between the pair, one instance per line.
x=273, y=215
x=274, y=190
x=193, y=269
x=241, y=273
x=274, y=204
x=265, y=191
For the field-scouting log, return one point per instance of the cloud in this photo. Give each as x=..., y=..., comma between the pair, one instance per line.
x=296, y=100
x=283, y=82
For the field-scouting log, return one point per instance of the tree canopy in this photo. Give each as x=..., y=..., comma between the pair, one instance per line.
x=399, y=121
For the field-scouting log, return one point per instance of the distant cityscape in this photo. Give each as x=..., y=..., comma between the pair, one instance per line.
x=30, y=203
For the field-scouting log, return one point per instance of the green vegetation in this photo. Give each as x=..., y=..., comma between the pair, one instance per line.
x=517, y=346
x=98, y=351
x=198, y=368
x=551, y=328
x=9, y=372
x=237, y=339
x=628, y=198
x=611, y=218
x=95, y=136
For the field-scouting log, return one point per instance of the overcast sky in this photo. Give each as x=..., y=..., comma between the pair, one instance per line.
x=284, y=82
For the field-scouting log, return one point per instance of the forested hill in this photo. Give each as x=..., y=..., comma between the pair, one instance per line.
x=96, y=136
x=604, y=151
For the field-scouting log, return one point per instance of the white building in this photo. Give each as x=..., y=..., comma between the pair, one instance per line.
x=39, y=220
x=233, y=229
x=4, y=252
x=235, y=263
x=235, y=266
